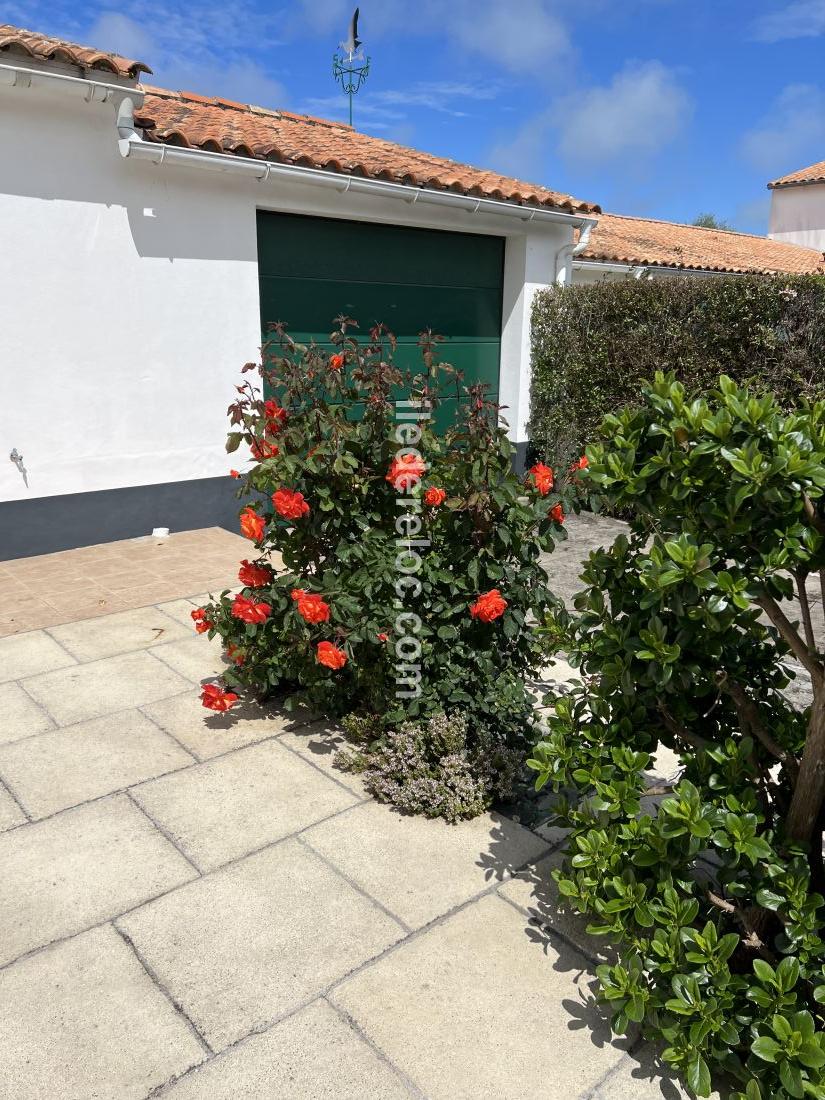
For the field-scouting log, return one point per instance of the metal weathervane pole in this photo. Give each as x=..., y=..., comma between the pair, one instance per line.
x=350, y=67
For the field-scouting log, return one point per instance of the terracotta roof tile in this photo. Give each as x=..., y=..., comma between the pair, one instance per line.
x=814, y=173
x=645, y=242
x=44, y=48
x=182, y=118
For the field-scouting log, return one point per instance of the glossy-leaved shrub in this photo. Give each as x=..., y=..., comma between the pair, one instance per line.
x=394, y=570
x=712, y=885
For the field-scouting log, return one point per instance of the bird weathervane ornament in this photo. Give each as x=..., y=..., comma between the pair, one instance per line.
x=349, y=66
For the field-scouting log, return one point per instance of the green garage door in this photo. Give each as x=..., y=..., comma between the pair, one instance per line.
x=312, y=269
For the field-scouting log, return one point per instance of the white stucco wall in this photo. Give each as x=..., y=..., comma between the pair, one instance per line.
x=129, y=298
x=798, y=215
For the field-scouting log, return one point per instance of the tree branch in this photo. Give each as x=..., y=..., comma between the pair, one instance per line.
x=786, y=628
x=682, y=732
x=750, y=716
x=805, y=607
x=814, y=518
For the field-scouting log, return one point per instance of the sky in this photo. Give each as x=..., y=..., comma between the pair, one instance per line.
x=659, y=108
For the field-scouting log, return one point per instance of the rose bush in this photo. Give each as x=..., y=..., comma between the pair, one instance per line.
x=394, y=572
x=712, y=885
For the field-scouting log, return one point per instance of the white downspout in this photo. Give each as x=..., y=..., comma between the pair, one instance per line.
x=565, y=255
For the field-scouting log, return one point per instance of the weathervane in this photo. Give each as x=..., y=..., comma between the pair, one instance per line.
x=349, y=67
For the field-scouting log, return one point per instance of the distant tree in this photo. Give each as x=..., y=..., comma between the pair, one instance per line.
x=710, y=221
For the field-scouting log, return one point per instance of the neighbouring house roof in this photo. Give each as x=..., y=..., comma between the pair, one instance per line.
x=814, y=173
x=44, y=48
x=222, y=126
x=645, y=242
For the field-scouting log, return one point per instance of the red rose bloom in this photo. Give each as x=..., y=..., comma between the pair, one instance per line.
x=213, y=698
x=235, y=654
x=202, y=624
x=262, y=448
x=254, y=576
x=489, y=605
x=434, y=497
x=330, y=655
x=276, y=417
x=248, y=611
x=556, y=513
x=252, y=525
x=580, y=464
x=405, y=471
x=383, y=637
x=234, y=473
x=310, y=606
x=289, y=504
x=542, y=477
x=336, y=362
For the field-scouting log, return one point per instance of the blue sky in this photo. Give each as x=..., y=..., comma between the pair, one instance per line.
x=655, y=107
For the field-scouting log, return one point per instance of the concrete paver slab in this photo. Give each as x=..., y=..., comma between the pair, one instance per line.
x=197, y=658
x=83, y=1019
x=486, y=1011
x=123, y=632
x=206, y=734
x=318, y=743
x=103, y=687
x=61, y=876
x=226, y=808
x=21, y=716
x=10, y=812
x=313, y=1055
x=416, y=867
x=244, y=946
x=28, y=654
x=78, y=763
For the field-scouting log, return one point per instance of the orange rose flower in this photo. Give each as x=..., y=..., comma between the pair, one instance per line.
x=213, y=698
x=235, y=654
x=252, y=525
x=556, y=513
x=330, y=655
x=336, y=362
x=276, y=417
x=248, y=611
x=542, y=478
x=202, y=624
x=580, y=464
x=289, y=504
x=434, y=497
x=405, y=471
x=261, y=449
x=489, y=605
x=310, y=606
x=234, y=473
x=254, y=576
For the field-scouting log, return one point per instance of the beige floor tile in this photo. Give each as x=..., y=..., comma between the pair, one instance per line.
x=80, y=868
x=226, y=808
x=420, y=868
x=206, y=734
x=124, y=632
x=21, y=716
x=313, y=1055
x=248, y=944
x=643, y=1076
x=535, y=891
x=180, y=610
x=10, y=812
x=28, y=654
x=102, y=687
x=318, y=743
x=484, y=1005
x=197, y=657
x=84, y=1020
x=78, y=763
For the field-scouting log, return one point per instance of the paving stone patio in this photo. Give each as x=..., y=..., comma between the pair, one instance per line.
x=200, y=905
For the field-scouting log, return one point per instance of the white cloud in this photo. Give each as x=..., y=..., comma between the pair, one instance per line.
x=801, y=19
x=642, y=109
x=792, y=133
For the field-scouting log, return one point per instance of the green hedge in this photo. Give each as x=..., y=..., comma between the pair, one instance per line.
x=592, y=346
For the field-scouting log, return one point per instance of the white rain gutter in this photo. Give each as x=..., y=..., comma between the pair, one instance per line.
x=567, y=253
x=133, y=146
x=638, y=271
x=99, y=91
